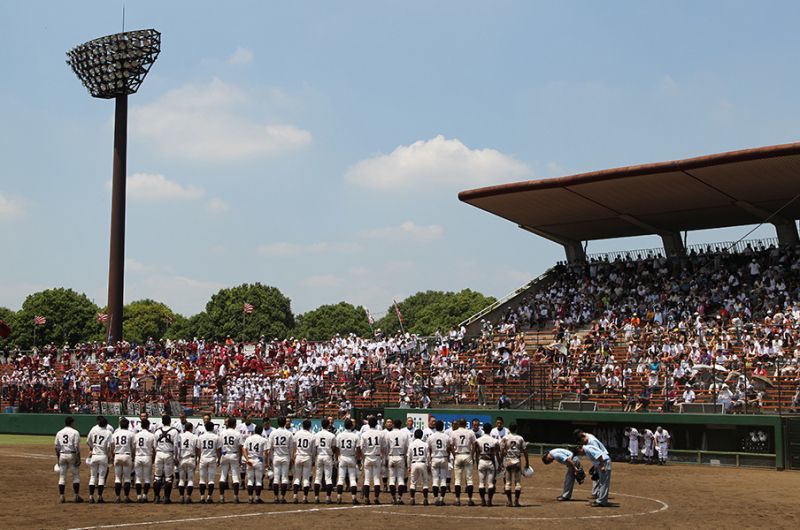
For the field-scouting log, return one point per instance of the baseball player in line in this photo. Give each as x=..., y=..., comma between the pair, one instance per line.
x=68, y=458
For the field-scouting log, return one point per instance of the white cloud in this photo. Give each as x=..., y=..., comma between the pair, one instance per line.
x=217, y=206
x=181, y=293
x=241, y=56
x=10, y=207
x=283, y=249
x=408, y=231
x=323, y=280
x=154, y=187
x=439, y=161
x=212, y=122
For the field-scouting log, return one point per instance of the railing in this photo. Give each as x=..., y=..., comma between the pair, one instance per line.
x=505, y=299
x=730, y=247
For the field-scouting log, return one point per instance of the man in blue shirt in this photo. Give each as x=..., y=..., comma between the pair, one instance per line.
x=602, y=464
x=585, y=438
x=571, y=462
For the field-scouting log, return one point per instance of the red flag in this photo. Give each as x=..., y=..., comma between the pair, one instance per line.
x=5, y=330
x=248, y=308
x=39, y=320
x=397, y=310
x=102, y=318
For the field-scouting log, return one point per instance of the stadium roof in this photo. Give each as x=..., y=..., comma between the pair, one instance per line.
x=725, y=189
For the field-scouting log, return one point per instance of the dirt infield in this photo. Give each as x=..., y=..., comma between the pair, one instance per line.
x=671, y=496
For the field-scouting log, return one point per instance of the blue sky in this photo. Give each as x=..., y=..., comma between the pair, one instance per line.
x=319, y=146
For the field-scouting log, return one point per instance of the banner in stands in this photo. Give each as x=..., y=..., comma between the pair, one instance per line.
x=316, y=425
x=421, y=419
x=155, y=410
x=110, y=409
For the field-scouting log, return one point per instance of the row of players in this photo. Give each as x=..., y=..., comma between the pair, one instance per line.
x=420, y=456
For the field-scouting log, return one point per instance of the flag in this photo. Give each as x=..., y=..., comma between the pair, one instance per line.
x=397, y=310
x=102, y=318
x=369, y=318
x=39, y=320
x=248, y=308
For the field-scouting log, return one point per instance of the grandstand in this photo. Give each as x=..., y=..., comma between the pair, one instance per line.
x=625, y=330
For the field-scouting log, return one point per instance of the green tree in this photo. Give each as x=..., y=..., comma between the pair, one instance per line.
x=326, y=321
x=426, y=312
x=10, y=318
x=71, y=317
x=272, y=314
x=145, y=318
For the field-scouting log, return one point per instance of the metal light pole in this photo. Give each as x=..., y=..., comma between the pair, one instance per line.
x=112, y=67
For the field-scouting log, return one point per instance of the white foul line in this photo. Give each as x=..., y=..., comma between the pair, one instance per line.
x=664, y=506
x=215, y=517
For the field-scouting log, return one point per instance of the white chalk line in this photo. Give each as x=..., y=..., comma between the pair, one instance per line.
x=218, y=517
x=663, y=506
x=26, y=455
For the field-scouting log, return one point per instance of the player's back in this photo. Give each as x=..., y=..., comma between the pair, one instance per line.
x=231, y=441
x=100, y=440
x=347, y=442
x=513, y=444
x=487, y=447
x=303, y=443
x=438, y=443
x=143, y=443
x=188, y=445
x=280, y=443
x=209, y=443
x=68, y=440
x=463, y=441
x=372, y=443
x=255, y=445
x=166, y=439
x=324, y=442
x=397, y=442
x=122, y=440
x=418, y=451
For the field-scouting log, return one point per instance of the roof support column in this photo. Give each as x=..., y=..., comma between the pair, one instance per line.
x=574, y=251
x=673, y=244
x=787, y=233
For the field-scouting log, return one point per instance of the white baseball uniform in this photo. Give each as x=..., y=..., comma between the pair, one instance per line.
x=324, y=442
x=187, y=461
x=397, y=452
x=255, y=445
x=122, y=441
x=231, y=443
x=67, y=443
x=209, y=443
x=303, y=442
x=144, y=445
x=99, y=442
x=347, y=442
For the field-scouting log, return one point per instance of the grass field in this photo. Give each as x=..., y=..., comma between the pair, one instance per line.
x=675, y=496
x=25, y=439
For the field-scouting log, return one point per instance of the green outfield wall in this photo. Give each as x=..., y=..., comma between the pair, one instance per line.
x=715, y=439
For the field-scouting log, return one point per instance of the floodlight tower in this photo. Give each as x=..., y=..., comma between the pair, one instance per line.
x=113, y=67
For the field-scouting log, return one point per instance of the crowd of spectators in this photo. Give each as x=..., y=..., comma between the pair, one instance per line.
x=718, y=323
x=716, y=326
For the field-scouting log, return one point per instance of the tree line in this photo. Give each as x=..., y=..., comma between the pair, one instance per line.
x=71, y=317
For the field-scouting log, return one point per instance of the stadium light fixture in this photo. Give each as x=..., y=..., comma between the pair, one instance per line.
x=112, y=67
